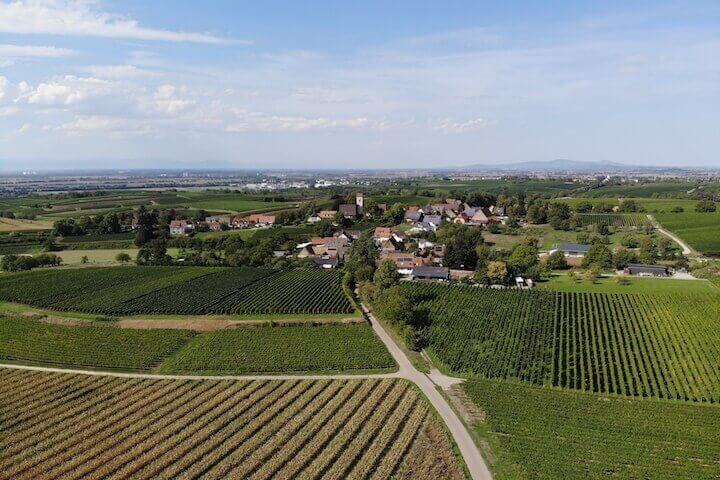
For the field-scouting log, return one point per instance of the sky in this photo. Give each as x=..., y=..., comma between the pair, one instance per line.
x=346, y=84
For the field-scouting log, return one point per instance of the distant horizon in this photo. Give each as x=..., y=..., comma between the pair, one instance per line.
x=399, y=85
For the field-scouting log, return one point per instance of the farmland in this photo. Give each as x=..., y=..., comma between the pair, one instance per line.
x=131, y=290
x=700, y=230
x=270, y=349
x=614, y=219
x=304, y=348
x=627, y=344
x=78, y=426
x=549, y=434
x=28, y=341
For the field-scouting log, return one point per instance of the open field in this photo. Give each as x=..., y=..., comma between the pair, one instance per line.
x=544, y=433
x=76, y=426
x=560, y=282
x=664, y=346
x=171, y=290
x=16, y=225
x=248, y=349
x=700, y=230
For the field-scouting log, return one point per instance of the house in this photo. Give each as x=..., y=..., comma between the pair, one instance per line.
x=475, y=216
x=214, y=225
x=413, y=216
x=432, y=222
x=572, y=249
x=349, y=210
x=180, y=227
x=381, y=235
x=218, y=218
x=425, y=244
x=391, y=245
x=327, y=214
x=314, y=218
x=430, y=273
x=647, y=270
x=404, y=262
x=261, y=219
x=325, y=262
x=454, y=204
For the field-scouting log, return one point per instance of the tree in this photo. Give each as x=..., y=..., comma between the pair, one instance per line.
x=461, y=243
x=84, y=259
x=598, y=255
x=559, y=215
x=556, y=261
x=623, y=257
x=677, y=209
x=705, y=206
x=629, y=240
x=50, y=246
x=522, y=259
x=603, y=207
x=497, y=272
x=536, y=214
x=123, y=257
x=648, y=251
x=386, y=275
x=630, y=206
x=583, y=207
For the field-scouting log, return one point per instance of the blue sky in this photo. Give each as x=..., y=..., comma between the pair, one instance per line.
x=117, y=84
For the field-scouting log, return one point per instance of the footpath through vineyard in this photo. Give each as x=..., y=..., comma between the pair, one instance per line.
x=473, y=459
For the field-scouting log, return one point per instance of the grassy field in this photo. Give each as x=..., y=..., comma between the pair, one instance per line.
x=645, y=345
x=130, y=428
x=16, y=225
x=539, y=433
x=282, y=349
x=561, y=282
x=700, y=230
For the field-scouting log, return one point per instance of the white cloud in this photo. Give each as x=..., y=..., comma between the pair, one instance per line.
x=449, y=125
x=27, y=51
x=87, y=123
x=168, y=101
x=24, y=128
x=117, y=71
x=261, y=122
x=3, y=88
x=68, y=90
x=84, y=18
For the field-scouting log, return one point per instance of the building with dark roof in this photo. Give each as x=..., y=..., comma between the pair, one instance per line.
x=573, y=249
x=430, y=273
x=647, y=270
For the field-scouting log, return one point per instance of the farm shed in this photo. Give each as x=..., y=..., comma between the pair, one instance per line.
x=430, y=273
x=572, y=249
x=647, y=270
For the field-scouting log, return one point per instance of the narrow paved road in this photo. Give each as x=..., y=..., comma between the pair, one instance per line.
x=686, y=250
x=474, y=460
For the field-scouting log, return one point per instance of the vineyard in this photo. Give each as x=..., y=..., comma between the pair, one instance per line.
x=614, y=219
x=178, y=290
x=74, y=426
x=550, y=434
x=629, y=344
x=282, y=349
x=28, y=341
x=269, y=349
x=700, y=230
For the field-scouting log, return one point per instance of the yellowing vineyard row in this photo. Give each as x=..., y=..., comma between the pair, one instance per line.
x=74, y=426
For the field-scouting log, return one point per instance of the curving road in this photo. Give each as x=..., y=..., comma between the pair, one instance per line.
x=473, y=459
x=686, y=250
